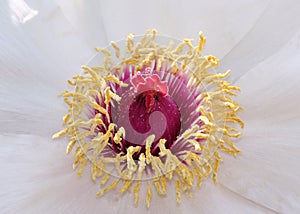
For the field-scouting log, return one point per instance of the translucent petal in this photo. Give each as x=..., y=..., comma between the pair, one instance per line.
x=269, y=34
x=267, y=172
x=87, y=19
x=225, y=24
x=37, y=58
x=37, y=178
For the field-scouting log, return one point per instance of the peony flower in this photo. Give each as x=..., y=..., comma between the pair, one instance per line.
x=44, y=44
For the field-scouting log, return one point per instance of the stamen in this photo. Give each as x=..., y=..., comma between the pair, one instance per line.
x=178, y=190
x=149, y=195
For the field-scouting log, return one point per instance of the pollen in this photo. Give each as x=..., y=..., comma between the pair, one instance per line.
x=151, y=115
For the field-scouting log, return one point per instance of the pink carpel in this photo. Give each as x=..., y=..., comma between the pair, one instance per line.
x=150, y=83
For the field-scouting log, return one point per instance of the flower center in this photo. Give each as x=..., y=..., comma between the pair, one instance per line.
x=129, y=125
x=151, y=111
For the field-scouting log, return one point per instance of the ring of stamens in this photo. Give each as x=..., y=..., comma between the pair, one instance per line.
x=194, y=155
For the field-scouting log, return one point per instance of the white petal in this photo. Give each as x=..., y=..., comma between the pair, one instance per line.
x=268, y=172
x=223, y=23
x=218, y=199
x=87, y=18
x=269, y=34
x=37, y=57
x=37, y=177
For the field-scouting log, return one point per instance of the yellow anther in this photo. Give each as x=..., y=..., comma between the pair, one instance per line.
x=178, y=192
x=149, y=195
x=118, y=135
x=60, y=133
x=149, y=142
x=112, y=186
x=70, y=146
x=103, y=50
x=212, y=59
x=195, y=144
x=66, y=118
x=117, y=49
x=71, y=83
x=83, y=161
x=224, y=74
x=136, y=193
x=205, y=120
x=99, y=108
x=115, y=80
x=131, y=165
x=104, y=179
x=162, y=147
x=126, y=187
x=109, y=94
x=130, y=42
x=202, y=41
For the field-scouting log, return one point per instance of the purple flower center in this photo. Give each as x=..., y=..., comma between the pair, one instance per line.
x=148, y=109
x=165, y=124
